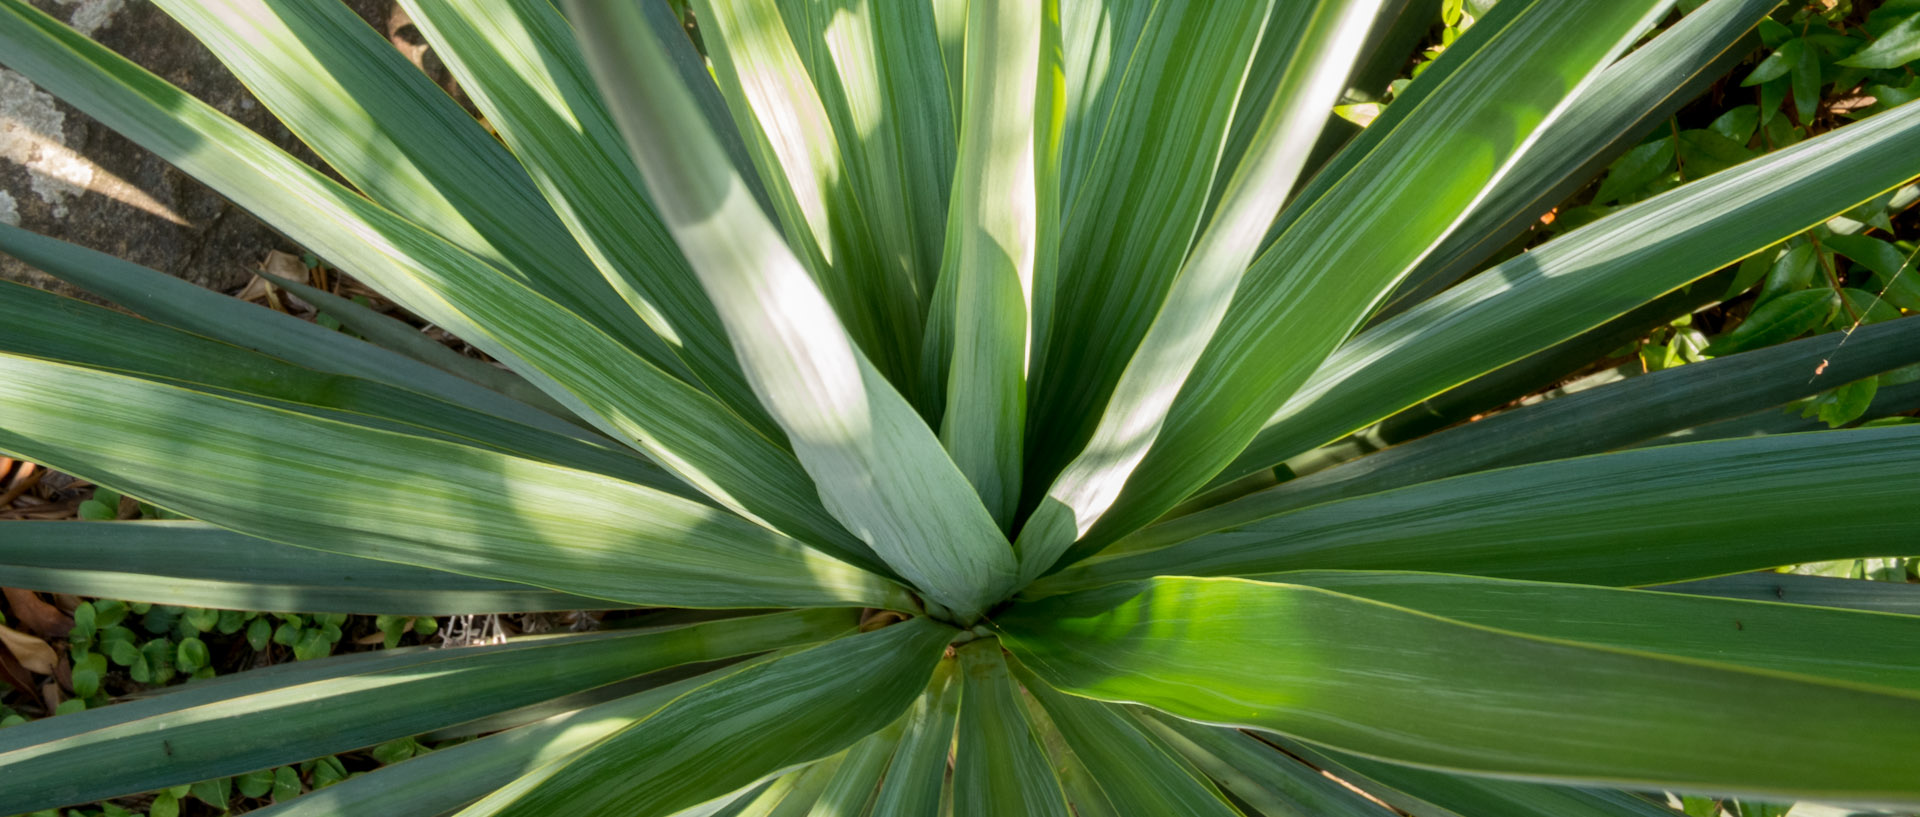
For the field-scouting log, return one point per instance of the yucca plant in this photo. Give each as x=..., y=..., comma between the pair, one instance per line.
x=947, y=355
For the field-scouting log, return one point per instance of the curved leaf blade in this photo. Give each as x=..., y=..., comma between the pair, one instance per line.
x=1588, y=422
x=198, y=565
x=1330, y=35
x=917, y=777
x=1587, y=277
x=1828, y=495
x=450, y=778
x=766, y=718
x=1833, y=645
x=682, y=428
x=319, y=483
x=996, y=227
x=1435, y=692
x=266, y=718
x=378, y=120
x=1305, y=293
x=1134, y=770
x=518, y=61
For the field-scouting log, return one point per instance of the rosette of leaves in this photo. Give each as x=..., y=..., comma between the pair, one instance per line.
x=963, y=381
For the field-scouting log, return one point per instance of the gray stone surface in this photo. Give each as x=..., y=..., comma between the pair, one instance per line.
x=64, y=175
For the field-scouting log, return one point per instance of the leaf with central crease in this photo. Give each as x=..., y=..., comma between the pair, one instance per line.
x=918, y=773
x=1836, y=645
x=997, y=226
x=451, y=777
x=1420, y=689
x=1830, y=495
x=1134, y=770
x=324, y=484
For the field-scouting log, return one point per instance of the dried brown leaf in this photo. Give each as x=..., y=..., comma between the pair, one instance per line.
x=33, y=652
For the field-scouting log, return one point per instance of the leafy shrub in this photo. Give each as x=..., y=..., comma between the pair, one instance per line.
x=937, y=368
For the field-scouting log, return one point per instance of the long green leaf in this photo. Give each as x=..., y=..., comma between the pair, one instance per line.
x=267, y=718
x=393, y=334
x=1853, y=594
x=790, y=795
x=1268, y=782
x=1834, y=645
x=1097, y=44
x=1083, y=791
x=198, y=565
x=996, y=227
x=1277, y=785
x=1828, y=495
x=763, y=719
x=1427, y=793
x=1308, y=291
x=378, y=120
x=763, y=73
x=879, y=468
x=519, y=62
x=1436, y=692
x=856, y=782
x=449, y=778
x=1199, y=296
x=1587, y=422
x=44, y=325
x=1137, y=772
x=1587, y=277
x=1629, y=99
x=1887, y=402
x=880, y=71
x=680, y=427
x=917, y=776
x=168, y=300
x=319, y=483
x=999, y=770
x=1125, y=232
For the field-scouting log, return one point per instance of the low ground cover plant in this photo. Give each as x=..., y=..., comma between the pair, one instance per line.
x=974, y=394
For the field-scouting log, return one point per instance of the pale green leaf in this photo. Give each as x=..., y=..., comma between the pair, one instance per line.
x=518, y=61
x=1005, y=183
